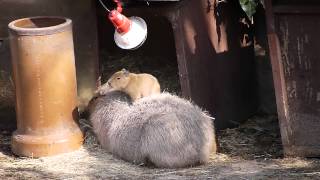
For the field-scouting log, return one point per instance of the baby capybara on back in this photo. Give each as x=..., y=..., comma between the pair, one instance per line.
x=135, y=85
x=161, y=129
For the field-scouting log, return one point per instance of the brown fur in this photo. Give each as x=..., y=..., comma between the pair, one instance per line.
x=135, y=85
x=163, y=129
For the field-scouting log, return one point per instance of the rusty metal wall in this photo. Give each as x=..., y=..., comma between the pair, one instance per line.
x=294, y=41
x=216, y=68
x=83, y=15
x=220, y=68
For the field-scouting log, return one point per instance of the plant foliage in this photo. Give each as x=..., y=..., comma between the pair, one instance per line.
x=249, y=6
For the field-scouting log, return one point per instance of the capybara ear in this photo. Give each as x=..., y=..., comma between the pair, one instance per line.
x=125, y=72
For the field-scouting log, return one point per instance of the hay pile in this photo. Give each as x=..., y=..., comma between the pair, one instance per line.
x=258, y=138
x=237, y=160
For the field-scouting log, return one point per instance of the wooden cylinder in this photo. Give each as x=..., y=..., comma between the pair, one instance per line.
x=45, y=83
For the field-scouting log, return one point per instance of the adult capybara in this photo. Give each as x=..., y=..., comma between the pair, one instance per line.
x=161, y=129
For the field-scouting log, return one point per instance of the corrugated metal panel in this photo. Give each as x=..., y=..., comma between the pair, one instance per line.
x=294, y=45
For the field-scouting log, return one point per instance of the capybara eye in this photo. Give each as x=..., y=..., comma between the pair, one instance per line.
x=118, y=78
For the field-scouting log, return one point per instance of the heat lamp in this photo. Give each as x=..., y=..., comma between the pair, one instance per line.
x=130, y=33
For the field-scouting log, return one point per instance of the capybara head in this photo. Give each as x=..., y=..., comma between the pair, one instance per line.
x=118, y=81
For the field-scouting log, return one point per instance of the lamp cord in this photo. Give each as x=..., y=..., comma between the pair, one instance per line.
x=104, y=6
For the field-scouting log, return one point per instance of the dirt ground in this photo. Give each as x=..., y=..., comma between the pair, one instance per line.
x=251, y=151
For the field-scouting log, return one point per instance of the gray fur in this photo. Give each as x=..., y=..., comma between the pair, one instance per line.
x=163, y=129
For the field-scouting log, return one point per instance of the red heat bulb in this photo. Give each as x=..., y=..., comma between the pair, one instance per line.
x=120, y=22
